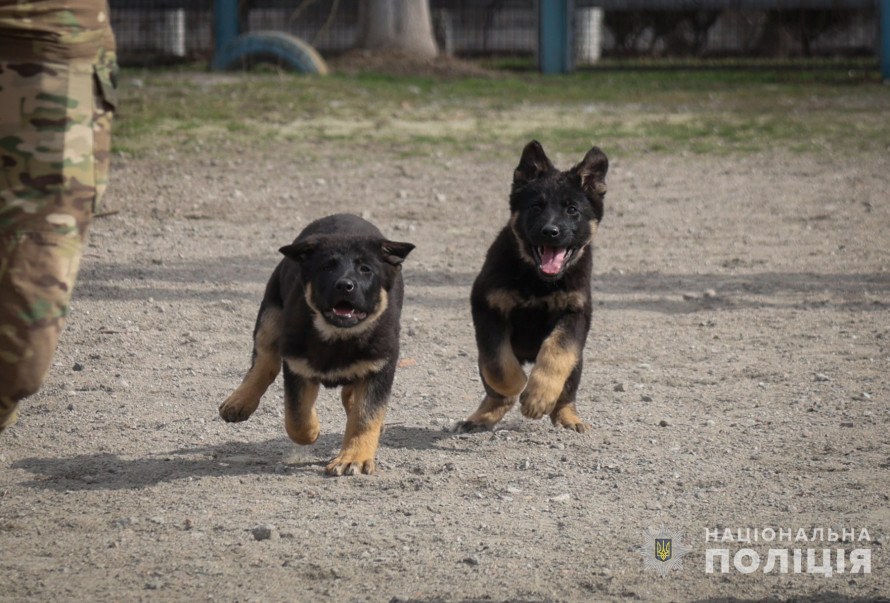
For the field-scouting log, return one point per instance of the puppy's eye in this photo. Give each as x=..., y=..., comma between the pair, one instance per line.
x=536, y=208
x=572, y=210
x=363, y=269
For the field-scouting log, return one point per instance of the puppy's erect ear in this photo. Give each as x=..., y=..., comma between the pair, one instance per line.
x=592, y=172
x=532, y=164
x=301, y=250
x=394, y=253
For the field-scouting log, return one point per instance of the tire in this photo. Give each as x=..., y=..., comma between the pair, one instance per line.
x=270, y=47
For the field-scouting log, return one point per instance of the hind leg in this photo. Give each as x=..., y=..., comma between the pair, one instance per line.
x=365, y=403
x=503, y=378
x=492, y=410
x=264, y=368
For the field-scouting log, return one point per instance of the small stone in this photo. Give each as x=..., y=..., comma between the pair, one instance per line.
x=77, y=367
x=560, y=498
x=664, y=423
x=689, y=296
x=821, y=377
x=471, y=560
x=709, y=294
x=620, y=387
x=71, y=407
x=265, y=532
x=646, y=398
x=791, y=508
x=710, y=422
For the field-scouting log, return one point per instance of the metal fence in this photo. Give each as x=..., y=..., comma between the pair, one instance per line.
x=151, y=31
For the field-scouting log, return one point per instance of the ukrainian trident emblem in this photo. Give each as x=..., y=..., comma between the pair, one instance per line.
x=663, y=550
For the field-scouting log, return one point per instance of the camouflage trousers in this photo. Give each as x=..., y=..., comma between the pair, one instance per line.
x=55, y=141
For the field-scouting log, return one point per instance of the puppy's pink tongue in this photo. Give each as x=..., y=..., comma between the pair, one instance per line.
x=552, y=259
x=344, y=310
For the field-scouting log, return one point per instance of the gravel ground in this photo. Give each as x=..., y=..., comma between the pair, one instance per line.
x=736, y=377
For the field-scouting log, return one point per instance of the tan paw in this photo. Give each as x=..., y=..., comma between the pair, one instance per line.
x=347, y=465
x=302, y=428
x=537, y=401
x=238, y=407
x=304, y=435
x=568, y=418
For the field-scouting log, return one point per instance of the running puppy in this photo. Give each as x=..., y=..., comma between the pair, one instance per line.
x=330, y=316
x=531, y=302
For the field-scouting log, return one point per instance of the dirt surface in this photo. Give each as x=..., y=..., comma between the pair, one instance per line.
x=736, y=377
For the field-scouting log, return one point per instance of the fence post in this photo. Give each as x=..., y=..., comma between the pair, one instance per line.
x=225, y=22
x=885, y=39
x=555, y=52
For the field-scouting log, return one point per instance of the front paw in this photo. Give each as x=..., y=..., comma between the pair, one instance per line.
x=238, y=407
x=537, y=401
x=350, y=465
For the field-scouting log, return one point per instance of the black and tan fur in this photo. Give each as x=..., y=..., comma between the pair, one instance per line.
x=330, y=317
x=531, y=302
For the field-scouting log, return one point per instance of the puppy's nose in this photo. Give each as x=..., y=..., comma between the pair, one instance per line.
x=346, y=285
x=550, y=231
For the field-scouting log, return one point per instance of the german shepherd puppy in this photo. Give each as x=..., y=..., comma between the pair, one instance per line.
x=330, y=316
x=531, y=302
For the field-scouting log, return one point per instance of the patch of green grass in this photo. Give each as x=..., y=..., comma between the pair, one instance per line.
x=626, y=112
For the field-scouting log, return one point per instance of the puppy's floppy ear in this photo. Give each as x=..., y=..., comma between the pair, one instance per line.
x=300, y=250
x=394, y=252
x=592, y=172
x=532, y=164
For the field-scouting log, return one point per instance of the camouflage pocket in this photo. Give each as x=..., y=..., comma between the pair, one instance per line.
x=106, y=73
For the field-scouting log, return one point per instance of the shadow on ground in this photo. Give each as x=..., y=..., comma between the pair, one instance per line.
x=650, y=291
x=107, y=471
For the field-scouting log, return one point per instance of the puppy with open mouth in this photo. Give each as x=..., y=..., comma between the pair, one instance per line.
x=330, y=317
x=531, y=302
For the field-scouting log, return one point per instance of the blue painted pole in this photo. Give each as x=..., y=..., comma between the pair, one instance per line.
x=885, y=39
x=225, y=22
x=555, y=36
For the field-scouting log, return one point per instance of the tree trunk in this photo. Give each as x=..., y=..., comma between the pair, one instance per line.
x=402, y=24
x=376, y=24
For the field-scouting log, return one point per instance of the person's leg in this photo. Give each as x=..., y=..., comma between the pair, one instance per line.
x=54, y=152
